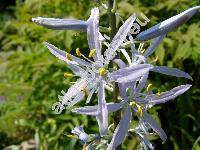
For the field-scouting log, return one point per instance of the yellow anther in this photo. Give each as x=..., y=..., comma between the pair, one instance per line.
x=66, y=74
x=84, y=147
x=140, y=111
x=140, y=47
x=78, y=53
x=68, y=57
x=155, y=59
x=158, y=94
x=71, y=136
x=142, y=51
x=109, y=29
x=148, y=86
x=92, y=52
x=139, y=108
x=102, y=71
x=132, y=103
x=84, y=91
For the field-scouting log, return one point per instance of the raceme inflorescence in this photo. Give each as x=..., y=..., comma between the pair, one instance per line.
x=103, y=68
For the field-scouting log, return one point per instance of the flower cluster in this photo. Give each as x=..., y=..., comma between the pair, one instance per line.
x=97, y=75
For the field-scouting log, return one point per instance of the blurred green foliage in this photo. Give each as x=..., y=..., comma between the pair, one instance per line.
x=31, y=78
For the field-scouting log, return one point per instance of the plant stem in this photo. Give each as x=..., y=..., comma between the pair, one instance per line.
x=112, y=22
x=112, y=19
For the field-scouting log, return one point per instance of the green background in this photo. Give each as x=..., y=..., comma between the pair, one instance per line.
x=31, y=78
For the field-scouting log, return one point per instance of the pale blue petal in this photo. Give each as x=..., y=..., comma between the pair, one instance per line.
x=57, y=52
x=112, y=107
x=142, y=83
x=120, y=63
x=153, y=124
x=122, y=90
x=62, y=56
x=167, y=25
x=171, y=72
x=102, y=117
x=74, y=93
x=169, y=95
x=121, y=130
x=93, y=110
x=145, y=142
x=80, y=133
x=154, y=45
x=93, y=33
x=90, y=96
x=87, y=110
x=61, y=24
x=119, y=38
x=130, y=74
x=75, y=100
x=101, y=38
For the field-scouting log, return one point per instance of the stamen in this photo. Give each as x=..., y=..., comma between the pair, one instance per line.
x=78, y=53
x=140, y=47
x=92, y=52
x=67, y=74
x=84, y=91
x=158, y=94
x=155, y=59
x=71, y=136
x=148, y=86
x=109, y=29
x=87, y=58
x=102, y=71
x=142, y=51
x=68, y=57
x=84, y=147
x=139, y=108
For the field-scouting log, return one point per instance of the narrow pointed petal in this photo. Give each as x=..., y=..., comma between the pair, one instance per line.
x=142, y=82
x=102, y=117
x=119, y=38
x=93, y=110
x=57, y=52
x=101, y=38
x=87, y=110
x=145, y=142
x=61, y=24
x=71, y=97
x=74, y=93
x=154, y=45
x=122, y=91
x=121, y=130
x=120, y=63
x=62, y=56
x=153, y=124
x=169, y=95
x=93, y=33
x=90, y=96
x=75, y=100
x=80, y=133
x=167, y=25
x=171, y=72
x=130, y=74
x=112, y=107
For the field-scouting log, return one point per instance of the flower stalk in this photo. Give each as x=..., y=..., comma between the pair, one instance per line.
x=112, y=5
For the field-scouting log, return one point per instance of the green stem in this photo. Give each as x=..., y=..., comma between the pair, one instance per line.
x=112, y=20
